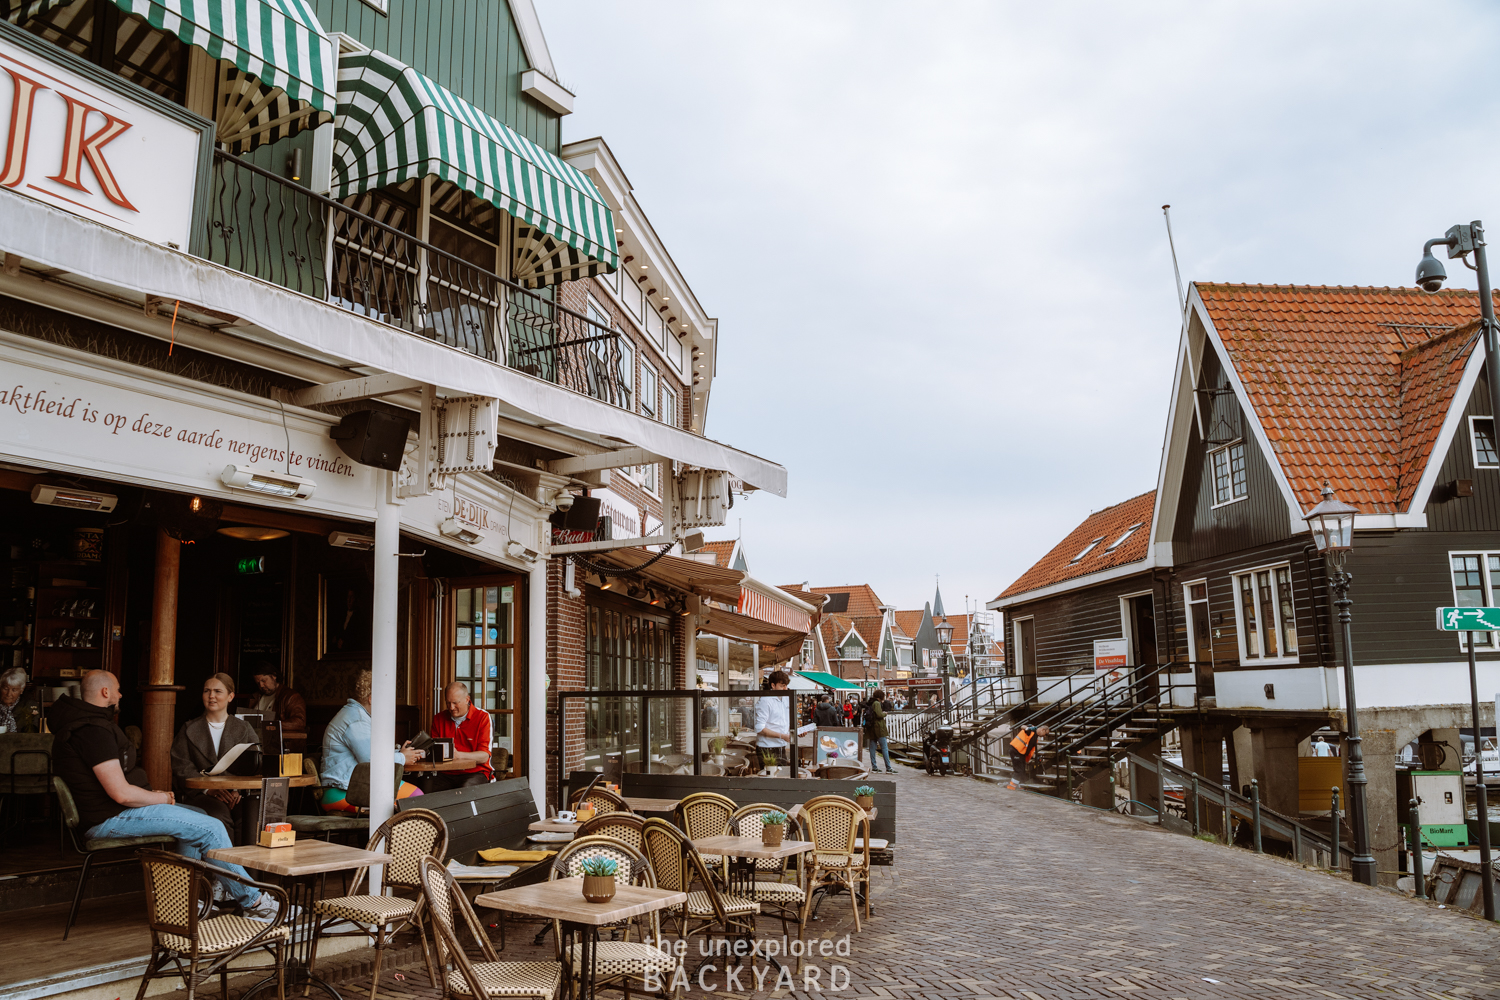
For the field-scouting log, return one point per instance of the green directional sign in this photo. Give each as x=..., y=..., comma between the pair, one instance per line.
x=1468, y=619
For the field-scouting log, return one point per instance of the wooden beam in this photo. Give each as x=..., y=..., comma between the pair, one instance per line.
x=624, y=458
x=262, y=518
x=160, y=691
x=353, y=389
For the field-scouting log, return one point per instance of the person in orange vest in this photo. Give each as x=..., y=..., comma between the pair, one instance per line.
x=1022, y=749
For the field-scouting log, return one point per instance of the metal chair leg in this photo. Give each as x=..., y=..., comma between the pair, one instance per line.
x=83, y=876
x=379, y=954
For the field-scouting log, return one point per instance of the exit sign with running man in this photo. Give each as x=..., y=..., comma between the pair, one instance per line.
x=1468, y=619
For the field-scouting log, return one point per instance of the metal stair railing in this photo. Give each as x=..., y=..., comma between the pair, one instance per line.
x=1230, y=804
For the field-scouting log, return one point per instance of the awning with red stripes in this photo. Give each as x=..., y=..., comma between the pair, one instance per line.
x=760, y=601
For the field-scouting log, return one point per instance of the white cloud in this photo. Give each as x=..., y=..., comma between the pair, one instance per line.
x=932, y=232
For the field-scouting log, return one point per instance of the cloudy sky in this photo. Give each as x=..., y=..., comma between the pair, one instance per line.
x=932, y=233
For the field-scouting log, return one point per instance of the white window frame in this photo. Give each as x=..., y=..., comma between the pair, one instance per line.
x=1124, y=535
x=1474, y=451
x=649, y=375
x=1213, y=475
x=1483, y=641
x=1188, y=600
x=1127, y=623
x=1282, y=658
x=670, y=405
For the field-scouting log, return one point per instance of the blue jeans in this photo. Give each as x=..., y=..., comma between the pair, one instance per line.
x=196, y=832
x=882, y=744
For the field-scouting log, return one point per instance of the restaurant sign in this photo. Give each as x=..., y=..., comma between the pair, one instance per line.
x=93, y=144
x=1111, y=654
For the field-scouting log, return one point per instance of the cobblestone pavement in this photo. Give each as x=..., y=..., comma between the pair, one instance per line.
x=1010, y=894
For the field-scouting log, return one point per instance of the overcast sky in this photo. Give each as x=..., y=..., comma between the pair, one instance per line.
x=932, y=233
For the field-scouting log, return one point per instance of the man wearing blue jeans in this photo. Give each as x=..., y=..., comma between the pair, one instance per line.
x=114, y=798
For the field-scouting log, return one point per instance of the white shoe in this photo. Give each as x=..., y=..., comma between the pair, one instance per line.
x=266, y=908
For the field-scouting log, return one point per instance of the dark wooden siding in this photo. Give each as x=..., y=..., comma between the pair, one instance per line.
x=1067, y=624
x=1480, y=512
x=1201, y=531
x=1309, y=597
x=469, y=46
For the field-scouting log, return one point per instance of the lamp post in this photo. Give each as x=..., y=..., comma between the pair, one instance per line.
x=1461, y=241
x=1332, y=525
x=945, y=636
x=866, y=661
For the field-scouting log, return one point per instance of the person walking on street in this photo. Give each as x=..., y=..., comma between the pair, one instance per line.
x=824, y=714
x=1022, y=749
x=875, y=731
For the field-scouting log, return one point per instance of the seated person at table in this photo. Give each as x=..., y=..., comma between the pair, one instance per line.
x=346, y=743
x=199, y=745
x=96, y=759
x=18, y=707
x=278, y=702
x=469, y=729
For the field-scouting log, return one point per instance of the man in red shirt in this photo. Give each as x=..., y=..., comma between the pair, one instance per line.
x=469, y=729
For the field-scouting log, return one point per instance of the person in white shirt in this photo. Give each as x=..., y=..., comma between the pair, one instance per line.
x=1320, y=748
x=773, y=725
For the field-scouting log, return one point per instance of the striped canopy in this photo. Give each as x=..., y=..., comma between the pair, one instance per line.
x=275, y=70
x=396, y=125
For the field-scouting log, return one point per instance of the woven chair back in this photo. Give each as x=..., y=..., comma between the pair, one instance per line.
x=705, y=814
x=832, y=823
x=408, y=837
x=602, y=799
x=174, y=890
x=447, y=907
x=619, y=825
x=673, y=854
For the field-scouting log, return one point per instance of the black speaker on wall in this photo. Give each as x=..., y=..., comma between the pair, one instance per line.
x=373, y=437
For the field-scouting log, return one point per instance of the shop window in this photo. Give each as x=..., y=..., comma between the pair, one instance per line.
x=648, y=390
x=483, y=653
x=626, y=650
x=1230, y=480
x=1267, y=615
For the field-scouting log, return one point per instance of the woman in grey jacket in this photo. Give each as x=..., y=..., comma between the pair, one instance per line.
x=199, y=745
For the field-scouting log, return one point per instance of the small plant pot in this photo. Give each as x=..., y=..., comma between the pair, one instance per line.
x=598, y=888
x=772, y=835
x=866, y=802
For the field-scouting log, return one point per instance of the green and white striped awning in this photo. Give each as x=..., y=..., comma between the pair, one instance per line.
x=396, y=125
x=276, y=70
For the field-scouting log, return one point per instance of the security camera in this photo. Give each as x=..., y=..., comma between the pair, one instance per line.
x=564, y=500
x=1430, y=273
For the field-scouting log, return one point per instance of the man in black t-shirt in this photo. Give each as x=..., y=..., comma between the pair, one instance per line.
x=97, y=761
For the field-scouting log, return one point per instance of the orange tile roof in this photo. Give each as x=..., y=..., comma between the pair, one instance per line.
x=908, y=622
x=722, y=552
x=863, y=601
x=1350, y=384
x=1106, y=525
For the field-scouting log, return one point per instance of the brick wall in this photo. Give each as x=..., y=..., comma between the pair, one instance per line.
x=566, y=633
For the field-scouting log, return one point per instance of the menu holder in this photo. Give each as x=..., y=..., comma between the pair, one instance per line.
x=275, y=762
x=441, y=750
x=275, y=831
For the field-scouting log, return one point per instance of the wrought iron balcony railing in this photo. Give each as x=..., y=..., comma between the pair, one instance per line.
x=279, y=231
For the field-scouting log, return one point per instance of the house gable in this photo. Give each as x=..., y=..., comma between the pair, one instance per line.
x=1480, y=512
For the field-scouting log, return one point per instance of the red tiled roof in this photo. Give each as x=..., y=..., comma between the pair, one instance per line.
x=1350, y=384
x=863, y=601
x=1106, y=525
x=908, y=622
x=722, y=552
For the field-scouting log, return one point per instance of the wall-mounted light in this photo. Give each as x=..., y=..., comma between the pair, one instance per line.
x=294, y=165
x=346, y=540
x=253, y=533
x=60, y=496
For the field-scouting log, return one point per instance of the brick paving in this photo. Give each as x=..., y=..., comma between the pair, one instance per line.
x=1011, y=894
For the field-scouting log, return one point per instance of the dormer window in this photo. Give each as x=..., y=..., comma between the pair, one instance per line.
x=1121, y=540
x=1086, y=550
x=1230, y=480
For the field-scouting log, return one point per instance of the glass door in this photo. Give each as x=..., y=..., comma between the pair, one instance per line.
x=484, y=631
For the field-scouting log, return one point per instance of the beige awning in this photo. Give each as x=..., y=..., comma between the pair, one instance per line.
x=686, y=575
x=746, y=629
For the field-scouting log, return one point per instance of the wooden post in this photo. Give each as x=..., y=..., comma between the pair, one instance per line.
x=160, y=691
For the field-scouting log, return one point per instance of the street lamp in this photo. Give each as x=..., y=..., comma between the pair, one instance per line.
x=866, y=661
x=1332, y=525
x=1461, y=241
x=945, y=636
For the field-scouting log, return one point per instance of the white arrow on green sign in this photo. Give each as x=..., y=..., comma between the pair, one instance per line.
x=1468, y=619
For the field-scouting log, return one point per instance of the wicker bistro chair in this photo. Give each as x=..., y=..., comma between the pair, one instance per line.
x=602, y=799
x=89, y=846
x=675, y=863
x=326, y=824
x=447, y=906
x=770, y=886
x=179, y=892
x=409, y=836
x=706, y=814
x=617, y=961
x=621, y=826
x=832, y=823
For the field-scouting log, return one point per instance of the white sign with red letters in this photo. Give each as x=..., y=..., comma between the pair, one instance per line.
x=85, y=148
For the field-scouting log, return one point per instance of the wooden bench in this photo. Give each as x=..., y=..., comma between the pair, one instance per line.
x=482, y=817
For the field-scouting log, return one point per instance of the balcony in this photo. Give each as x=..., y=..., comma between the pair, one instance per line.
x=343, y=254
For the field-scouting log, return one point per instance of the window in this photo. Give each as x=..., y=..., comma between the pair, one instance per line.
x=1267, y=614
x=485, y=629
x=674, y=349
x=1482, y=434
x=1121, y=540
x=648, y=390
x=852, y=650
x=669, y=404
x=1229, y=474
x=655, y=328
x=627, y=368
x=1474, y=576
x=1086, y=549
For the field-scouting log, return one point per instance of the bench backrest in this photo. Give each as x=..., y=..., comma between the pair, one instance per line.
x=480, y=817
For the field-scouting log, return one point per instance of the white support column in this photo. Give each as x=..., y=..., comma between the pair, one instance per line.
x=536, y=686
x=383, y=654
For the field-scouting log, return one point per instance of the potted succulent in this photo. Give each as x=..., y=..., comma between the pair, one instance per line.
x=599, y=879
x=865, y=796
x=773, y=828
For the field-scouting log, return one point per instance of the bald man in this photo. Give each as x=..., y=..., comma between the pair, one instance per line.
x=92, y=754
x=469, y=729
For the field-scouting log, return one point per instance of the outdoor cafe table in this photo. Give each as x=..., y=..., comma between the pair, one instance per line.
x=447, y=765
x=746, y=851
x=242, y=783
x=636, y=804
x=562, y=900
x=302, y=864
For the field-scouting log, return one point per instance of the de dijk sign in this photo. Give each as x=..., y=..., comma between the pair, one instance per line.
x=93, y=144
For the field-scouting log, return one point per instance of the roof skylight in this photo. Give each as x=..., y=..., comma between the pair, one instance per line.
x=1086, y=549
x=1121, y=540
